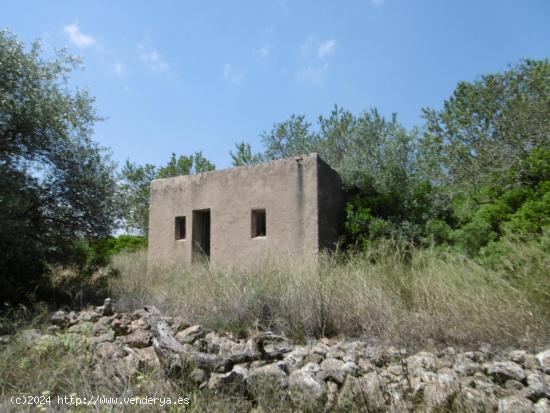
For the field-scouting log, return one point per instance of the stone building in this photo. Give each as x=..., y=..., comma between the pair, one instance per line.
x=287, y=209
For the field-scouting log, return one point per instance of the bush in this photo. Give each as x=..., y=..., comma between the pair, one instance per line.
x=100, y=252
x=90, y=281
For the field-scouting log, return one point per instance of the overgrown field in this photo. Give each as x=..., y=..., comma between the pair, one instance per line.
x=406, y=296
x=390, y=294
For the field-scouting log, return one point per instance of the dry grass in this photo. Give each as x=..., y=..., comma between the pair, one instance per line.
x=415, y=298
x=403, y=296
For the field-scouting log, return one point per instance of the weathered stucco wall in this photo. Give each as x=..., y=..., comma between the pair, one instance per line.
x=288, y=191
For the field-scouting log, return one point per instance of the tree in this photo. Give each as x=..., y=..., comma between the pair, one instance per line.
x=487, y=128
x=56, y=184
x=133, y=192
x=377, y=161
x=489, y=149
x=135, y=182
x=244, y=156
x=290, y=138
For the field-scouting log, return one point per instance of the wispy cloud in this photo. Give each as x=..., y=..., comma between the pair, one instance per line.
x=316, y=55
x=326, y=49
x=312, y=75
x=119, y=69
x=230, y=74
x=153, y=60
x=77, y=37
x=262, y=51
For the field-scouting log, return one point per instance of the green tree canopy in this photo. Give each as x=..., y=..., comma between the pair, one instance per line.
x=56, y=184
x=244, y=155
x=376, y=158
x=487, y=128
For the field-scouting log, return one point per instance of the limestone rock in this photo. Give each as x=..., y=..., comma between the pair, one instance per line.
x=537, y=387
x=102, y=338
x=102, y=326
x=222, y=345
x=331, y=369
x=305, y=390
x=515, y=404
x=137, y=339
x=295, y=359
x=179, y=324
x=121, y=326
x=474, y=400
x=466, y=367
x=505, y=370
x=440, y=389
x=88, y=316
x=544, y=361
x=147, y=357
x=332, y=394
x=517, y=356
x=542, y=406
x=232, y=382
x=422, y=361
x=363, y=394
x=139, y=324
x=60, y=318
x=106, y=309
x=109, y=351
x=190, y=335
x=267, y=380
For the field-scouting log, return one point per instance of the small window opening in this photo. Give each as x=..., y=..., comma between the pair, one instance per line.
x=180, y=228
x=258, y=223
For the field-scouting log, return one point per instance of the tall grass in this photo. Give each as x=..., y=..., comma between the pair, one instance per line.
x=390, y=293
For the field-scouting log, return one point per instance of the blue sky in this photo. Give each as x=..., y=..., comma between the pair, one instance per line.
x=175, y=76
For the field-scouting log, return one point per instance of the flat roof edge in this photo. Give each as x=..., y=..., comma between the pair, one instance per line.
x=258, y=165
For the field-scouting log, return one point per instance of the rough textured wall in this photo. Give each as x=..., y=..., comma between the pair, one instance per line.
x=287, y=189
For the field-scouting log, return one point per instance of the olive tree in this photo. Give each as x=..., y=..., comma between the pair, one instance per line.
x=56, y=185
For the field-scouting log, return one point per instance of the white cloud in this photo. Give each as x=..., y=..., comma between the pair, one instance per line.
x=326, y=48
x=154, y=61
x=263, y=51
x=119, y=69
x=230, y=74
x=77, y=37
x=312, y=74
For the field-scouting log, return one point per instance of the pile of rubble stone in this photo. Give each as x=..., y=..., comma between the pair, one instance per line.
x=323, y=375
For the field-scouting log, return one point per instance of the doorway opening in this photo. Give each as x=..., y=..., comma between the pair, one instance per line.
x=201, y=234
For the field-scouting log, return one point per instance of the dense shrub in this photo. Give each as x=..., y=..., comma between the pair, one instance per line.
x=92, y=278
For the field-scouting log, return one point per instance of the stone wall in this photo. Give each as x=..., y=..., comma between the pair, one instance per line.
x=322, y=375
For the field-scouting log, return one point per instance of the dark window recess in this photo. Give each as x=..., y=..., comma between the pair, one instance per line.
x=180, y=228
x=258, y=223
